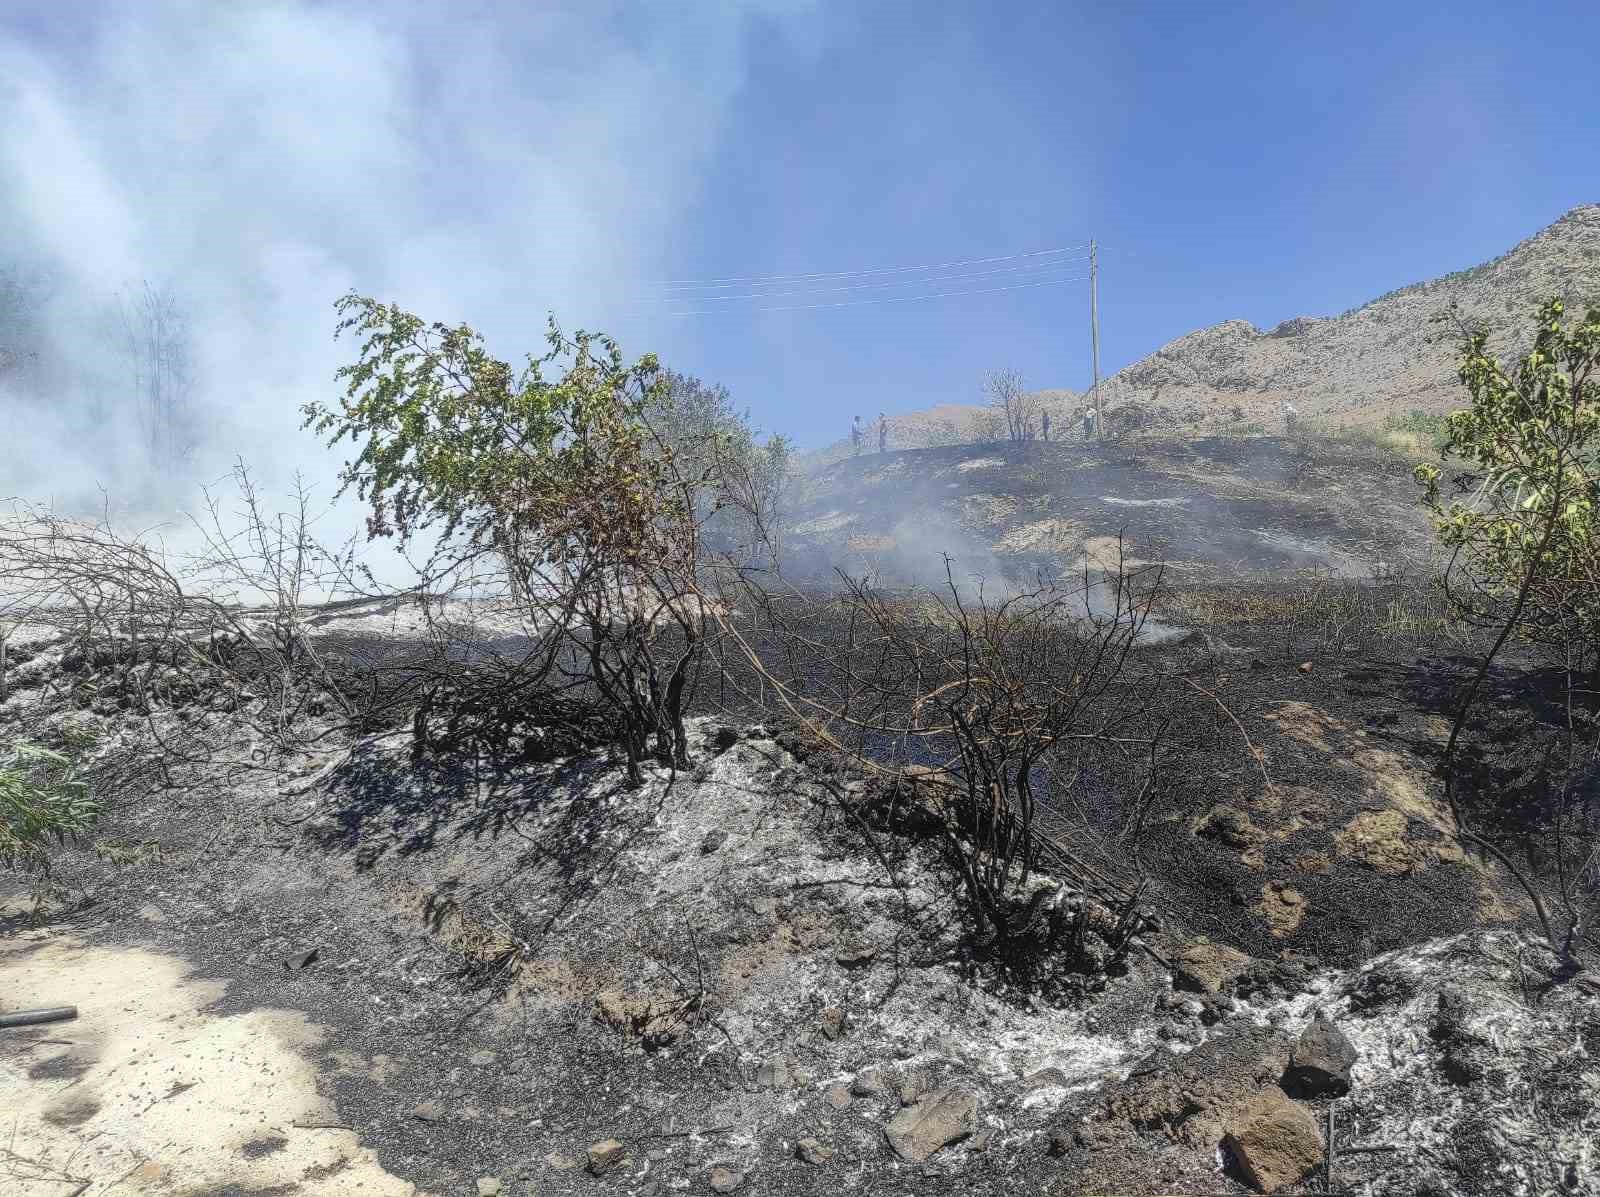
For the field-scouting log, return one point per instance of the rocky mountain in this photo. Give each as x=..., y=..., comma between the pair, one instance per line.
x=1383, y=357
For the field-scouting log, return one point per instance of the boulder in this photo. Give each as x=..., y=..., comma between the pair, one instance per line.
x=937, y=1120
x=725, y=1180
x=1321, y=1061
x=1207, y=967
x=1274, y=1141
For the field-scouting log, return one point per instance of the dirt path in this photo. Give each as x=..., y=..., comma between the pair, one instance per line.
x=151, y=1090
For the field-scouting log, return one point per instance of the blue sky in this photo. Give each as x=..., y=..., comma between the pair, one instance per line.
x=491, y=162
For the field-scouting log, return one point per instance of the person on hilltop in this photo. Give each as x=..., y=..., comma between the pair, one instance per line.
x=883, y=433
x=1088, y=424
x=855, y=435
x=1046, y=425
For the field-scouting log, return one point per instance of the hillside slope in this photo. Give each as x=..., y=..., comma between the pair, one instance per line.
x=1382, y=357
x=1211, y=508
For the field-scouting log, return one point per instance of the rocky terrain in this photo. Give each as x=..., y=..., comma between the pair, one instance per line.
x=355, y=970
x=1385, y=357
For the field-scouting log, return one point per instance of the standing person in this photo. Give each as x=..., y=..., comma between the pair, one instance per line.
x=883, y=433
x=1290, y=418
x=1046, y=424
x=1088, y=424
x=855, y=435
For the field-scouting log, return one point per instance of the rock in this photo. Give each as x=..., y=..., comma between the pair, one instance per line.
x=939, y=1119
x=1188, y=1097
x=714, y=839
x=489, y=1186
x=813, y=1152
x=1207, y=967
x=561, y=1161
x=481, y=1059
x=428, y=1111
x=833, y=1022
x=724, y=738
x=774, y=1074
x=605, y=1155
x=870, y=1082
x=725, y=1180
x=856, y=957
x=1045, y=1078
x=301, y=961
x=1305, y=666
x=912, y=1086
x=839, y=1097
x=1274, y=1141
x=1321, y=1061
x=981, y=1140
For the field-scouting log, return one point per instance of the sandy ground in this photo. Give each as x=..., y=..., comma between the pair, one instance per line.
x=150, y=1091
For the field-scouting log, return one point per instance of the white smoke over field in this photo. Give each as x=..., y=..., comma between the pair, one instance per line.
x=249, y=162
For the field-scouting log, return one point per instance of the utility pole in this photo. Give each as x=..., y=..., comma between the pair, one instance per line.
x=1094, y=334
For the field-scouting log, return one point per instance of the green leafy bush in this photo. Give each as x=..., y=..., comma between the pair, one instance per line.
x=44, y=799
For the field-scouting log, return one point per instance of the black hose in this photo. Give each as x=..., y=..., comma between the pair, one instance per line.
x=28, y=1018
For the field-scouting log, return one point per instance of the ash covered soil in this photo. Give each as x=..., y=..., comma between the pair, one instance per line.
x=1219, y=508
x=358, y=972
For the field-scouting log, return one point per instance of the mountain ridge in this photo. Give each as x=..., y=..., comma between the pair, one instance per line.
x=1382, y=356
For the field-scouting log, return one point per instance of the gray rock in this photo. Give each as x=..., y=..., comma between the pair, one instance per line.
x=1321, y=1061
x=489, y=1186
x=856, y=957
x=725, y=1180
x=871, y=1082
x=812, y=1151
x=1045, y=1078
x=939, y=1119
x=428, y=1111
x=839, y=1097
x=774, y=1074
x=713, y=840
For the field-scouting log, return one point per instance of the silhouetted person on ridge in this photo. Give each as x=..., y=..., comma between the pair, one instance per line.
x=855, y=435
x=1046, y=423
x=883, y=433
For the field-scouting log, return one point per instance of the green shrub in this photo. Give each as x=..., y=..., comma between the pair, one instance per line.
x=44, y=799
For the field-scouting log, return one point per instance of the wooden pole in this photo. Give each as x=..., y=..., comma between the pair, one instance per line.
x=1094, y=335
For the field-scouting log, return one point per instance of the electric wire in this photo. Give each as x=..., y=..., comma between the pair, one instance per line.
x=1035, y=268
x=854, y=303
x=824, y=275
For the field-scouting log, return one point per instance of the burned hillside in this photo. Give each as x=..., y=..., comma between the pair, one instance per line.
x=755, y=973
x=1214, y=509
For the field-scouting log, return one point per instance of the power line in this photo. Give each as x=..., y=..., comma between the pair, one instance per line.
x=849, y=287
x=855, y=303
x=796, y=278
